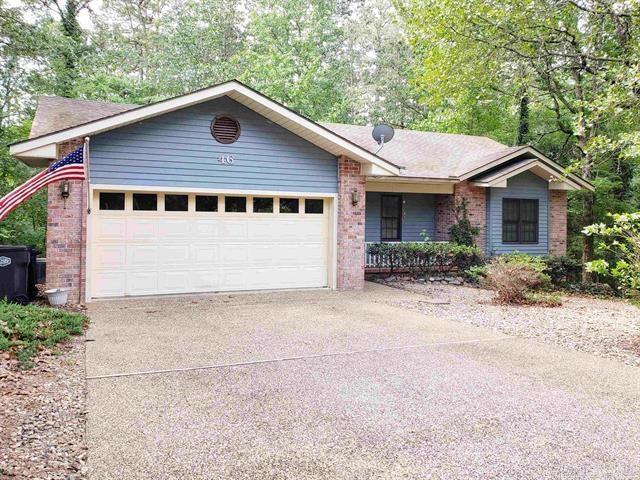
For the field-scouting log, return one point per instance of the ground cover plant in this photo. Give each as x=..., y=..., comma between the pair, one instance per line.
x=26, y=330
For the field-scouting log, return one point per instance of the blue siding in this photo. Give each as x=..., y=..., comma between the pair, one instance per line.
x=525, y=185
x=177, y=150
x=418, y=214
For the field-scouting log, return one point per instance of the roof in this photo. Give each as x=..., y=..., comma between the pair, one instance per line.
x=425, y=154
x=39, y=149
x=58, y=113
x=418, y=154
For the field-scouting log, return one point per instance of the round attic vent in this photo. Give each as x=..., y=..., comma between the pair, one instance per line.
x=225, y=129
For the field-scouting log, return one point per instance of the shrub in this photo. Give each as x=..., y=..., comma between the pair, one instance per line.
x=591, y=288
x=426, y=257
x=621, y=242
x=543, y=299
x=515, y=276
x=24, y=330
x=563, y=270
x=462, y=232
x=475, y=274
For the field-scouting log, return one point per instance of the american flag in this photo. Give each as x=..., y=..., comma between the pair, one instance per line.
x=71, y=167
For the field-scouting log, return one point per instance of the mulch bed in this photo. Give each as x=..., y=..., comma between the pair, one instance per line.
x=42, y=415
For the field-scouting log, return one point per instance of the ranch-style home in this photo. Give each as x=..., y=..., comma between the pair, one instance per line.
x=224, y=189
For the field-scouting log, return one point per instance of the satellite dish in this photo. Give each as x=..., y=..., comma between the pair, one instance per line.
x=382, y=133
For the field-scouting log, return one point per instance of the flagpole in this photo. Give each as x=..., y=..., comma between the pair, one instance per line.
x=85, y=162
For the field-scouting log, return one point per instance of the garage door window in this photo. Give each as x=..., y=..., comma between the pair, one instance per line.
x=289, y=205
x=111, y=201
x=206, y=203
x=176, y=203
x=313, y=205
x=145, y=201
x=235, y=204
x=262, y=205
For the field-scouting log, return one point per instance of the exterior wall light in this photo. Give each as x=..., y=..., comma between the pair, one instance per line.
x=355, y=197
x=65, y=191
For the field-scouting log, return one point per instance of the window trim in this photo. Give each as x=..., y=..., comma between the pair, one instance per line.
x=520, y=223
x=382, y=217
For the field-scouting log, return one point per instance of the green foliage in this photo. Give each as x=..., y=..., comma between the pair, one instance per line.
x=619, y=241
x=24, y=330
x=475, y=274
x=462, y=232
x=563, y=269
x=426, y=257
x=543, y=299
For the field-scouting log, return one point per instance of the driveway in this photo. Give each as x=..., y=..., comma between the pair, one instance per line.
x=344, y=385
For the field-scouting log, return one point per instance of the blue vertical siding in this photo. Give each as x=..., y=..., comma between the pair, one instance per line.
x=418, y=214
x=525, y=185
x=176, y=149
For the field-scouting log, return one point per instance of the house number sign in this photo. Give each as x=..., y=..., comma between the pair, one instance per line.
x=226, y=159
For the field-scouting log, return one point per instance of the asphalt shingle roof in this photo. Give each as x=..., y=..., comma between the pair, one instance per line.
x=421, y=154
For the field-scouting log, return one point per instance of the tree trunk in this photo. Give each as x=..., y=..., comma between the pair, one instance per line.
x=523, y=119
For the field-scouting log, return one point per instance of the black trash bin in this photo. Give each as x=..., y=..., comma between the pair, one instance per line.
x=17, y=273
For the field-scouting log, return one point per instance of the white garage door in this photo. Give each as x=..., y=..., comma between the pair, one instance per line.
x=213, y=245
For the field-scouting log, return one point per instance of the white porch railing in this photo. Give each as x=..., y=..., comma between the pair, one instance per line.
x=373, y=261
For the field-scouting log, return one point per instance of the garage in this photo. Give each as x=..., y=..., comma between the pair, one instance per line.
x=150, y=243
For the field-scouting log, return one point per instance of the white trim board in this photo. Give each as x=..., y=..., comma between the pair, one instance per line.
x=235, y=90
x=165, y=189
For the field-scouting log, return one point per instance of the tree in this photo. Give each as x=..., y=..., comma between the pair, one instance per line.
x=577, y=61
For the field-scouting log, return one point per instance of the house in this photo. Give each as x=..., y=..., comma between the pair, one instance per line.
x=225, y=189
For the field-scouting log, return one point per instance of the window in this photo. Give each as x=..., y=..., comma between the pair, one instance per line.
x=176, y=203
x=390, y=218
x=111, y=201
x=235, y=204
x=313, y=205
x=225, y=129
x=262, y=205
x=206, y=203
x=289, y=205
x=145, y=201
x=519, y=220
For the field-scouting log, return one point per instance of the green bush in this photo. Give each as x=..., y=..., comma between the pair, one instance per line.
x=475, y=274
x=24, y=330
x=426, y=257
x=543, y=299
x=462, y=232
x=563, y=270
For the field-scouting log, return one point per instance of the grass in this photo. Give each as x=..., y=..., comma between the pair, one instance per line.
x=26, y=330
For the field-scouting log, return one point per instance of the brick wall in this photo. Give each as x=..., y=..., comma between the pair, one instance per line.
x=350, y=274
x=66, y=234
x=476, y=207
x=557, y=222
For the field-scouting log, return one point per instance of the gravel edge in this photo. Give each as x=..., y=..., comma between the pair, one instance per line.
x=43, y=415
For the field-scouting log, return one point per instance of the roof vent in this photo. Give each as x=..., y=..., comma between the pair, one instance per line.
x=225, y=129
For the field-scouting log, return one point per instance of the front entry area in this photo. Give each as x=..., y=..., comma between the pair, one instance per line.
x=149, y=243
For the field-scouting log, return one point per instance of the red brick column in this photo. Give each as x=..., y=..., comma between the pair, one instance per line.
x=476, y=208
x=557, y=222
x=445, y=216
x=67, y=234
x=350, y=225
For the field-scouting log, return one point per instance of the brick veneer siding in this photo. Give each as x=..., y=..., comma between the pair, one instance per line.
x=557, y=222
x=66, y=234
x=476, y=207
x=350, y=274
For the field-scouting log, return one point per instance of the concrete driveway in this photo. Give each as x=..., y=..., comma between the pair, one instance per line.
x=331, y=385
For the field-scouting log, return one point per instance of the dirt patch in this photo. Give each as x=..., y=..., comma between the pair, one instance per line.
x=42, y=415
x=607, y=328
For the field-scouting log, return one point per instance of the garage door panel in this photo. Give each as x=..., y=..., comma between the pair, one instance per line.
x=111, y=229
x=111, y=256
x=233, y=230
x=146, y=253
x=205, y=254
x=173, y=282
x=142, y=256
x=141, y=229
x=204, y=280
x=234, y=254
x=142, y=283
x=174, y=254
x=110, y=284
